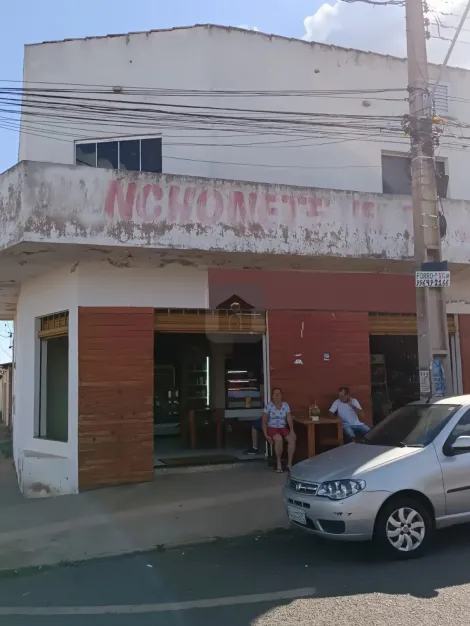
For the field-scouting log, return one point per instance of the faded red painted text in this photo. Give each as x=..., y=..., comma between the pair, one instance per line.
x=179, y=204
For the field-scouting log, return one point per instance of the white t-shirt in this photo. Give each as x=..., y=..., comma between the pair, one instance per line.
x=345, y=412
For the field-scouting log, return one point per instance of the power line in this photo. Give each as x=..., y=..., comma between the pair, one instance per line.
x=380, y=3
x=428, y=7
x=20, y=99
x=449, y=39
x=5, y=352
x=78, y=111
x=263, y=165
x=440, y=24
x=318, y=127
x=162, y=91
x=53, y=113
x=340, y=135
x=341, y=123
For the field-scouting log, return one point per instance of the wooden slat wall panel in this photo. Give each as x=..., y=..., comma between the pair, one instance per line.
x=398, y=324
x=345, y=336
x=209, y=322
x=115, y=428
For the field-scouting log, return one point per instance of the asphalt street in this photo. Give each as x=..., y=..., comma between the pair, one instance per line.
x=262, y=580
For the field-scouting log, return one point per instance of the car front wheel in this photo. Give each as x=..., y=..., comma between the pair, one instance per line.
x=404, y=528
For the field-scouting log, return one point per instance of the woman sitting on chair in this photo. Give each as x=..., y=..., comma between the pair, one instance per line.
x=278, y=427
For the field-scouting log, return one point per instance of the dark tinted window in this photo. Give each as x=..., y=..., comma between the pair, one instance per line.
x=108, y=154
x=412, y=425
x=85, y=154
x=129, y=155
x=151, y=155
x=136, y=155
x=396, y=175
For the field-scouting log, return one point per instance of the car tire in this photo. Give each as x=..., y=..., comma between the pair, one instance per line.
x=404, y=528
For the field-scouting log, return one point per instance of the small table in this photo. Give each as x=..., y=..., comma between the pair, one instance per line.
x=311, y=426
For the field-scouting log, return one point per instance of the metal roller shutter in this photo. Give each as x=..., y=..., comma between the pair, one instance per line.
x=208, y=321
x=399, y=324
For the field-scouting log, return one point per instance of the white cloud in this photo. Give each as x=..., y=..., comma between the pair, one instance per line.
x=382, y=29
x=245, y=27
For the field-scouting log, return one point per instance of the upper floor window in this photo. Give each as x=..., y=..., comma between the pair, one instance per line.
x=136, y=155
x=396, y=175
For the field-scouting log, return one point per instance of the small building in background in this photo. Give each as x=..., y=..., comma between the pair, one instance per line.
x=6, y=384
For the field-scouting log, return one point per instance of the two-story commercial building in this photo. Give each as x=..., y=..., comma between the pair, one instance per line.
x=201, y=214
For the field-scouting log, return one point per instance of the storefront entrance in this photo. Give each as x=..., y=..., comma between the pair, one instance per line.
x=394, y=361
x=208, y=386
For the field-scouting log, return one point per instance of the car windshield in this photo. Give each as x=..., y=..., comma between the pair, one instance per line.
x=412, y=425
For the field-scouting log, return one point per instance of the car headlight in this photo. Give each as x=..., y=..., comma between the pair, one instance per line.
x=340, y=489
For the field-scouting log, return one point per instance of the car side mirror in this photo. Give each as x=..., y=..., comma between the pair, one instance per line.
x=461, y=443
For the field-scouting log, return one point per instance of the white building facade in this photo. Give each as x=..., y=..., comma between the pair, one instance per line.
x=171, y=170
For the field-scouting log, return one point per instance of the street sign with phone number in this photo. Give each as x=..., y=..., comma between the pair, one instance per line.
x=432, y=279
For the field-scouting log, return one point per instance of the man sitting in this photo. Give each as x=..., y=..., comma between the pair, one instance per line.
x=350, y=413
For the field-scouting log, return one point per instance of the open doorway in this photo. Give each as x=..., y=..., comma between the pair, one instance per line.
x=394, y=373
x=394, y=361
x=219, y=380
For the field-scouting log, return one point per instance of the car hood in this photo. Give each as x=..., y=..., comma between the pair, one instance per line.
x=350, y=461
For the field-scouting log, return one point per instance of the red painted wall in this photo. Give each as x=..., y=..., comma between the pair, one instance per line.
x=464, y=330
x=314, y=291
x=311, y=334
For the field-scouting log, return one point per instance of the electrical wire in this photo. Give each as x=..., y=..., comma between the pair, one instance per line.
x=66, y=114
x=340, y=135
x=198, y=92
x=439, y=24
x=449, y=39
x=445, y=13
x=17, y=98
x=380, y=3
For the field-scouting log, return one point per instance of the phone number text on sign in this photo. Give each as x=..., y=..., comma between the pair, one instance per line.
x=432, y=279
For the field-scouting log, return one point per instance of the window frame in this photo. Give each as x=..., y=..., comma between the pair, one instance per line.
x=404, y=155
x=48, y=328
x=140, y=138
x=447, y=449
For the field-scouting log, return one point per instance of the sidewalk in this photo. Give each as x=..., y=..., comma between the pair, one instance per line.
x=176, y=508
x=5, y=442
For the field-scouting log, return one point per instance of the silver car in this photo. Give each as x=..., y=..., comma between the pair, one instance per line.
x=409, y=476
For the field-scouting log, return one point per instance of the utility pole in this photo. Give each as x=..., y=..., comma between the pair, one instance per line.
x=433, y=337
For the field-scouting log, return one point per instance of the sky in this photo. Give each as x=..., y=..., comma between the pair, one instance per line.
x=355, y=25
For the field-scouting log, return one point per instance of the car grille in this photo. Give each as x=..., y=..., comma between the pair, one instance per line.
x=303, y=505
x=300, y=486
